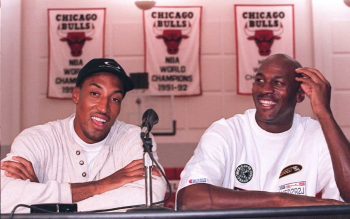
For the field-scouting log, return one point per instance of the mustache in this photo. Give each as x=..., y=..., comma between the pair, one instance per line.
x=266, y=96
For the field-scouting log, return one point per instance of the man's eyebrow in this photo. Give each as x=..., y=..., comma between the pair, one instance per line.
x=280, y=77
x=119, y=92
x=94, y=84
x=116, y=91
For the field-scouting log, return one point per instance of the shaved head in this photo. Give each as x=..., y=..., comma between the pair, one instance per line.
x=286, y=63
x=282, y=60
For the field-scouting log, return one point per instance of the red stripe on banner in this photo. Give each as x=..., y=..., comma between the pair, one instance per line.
x=293, y=17
x=173, y=175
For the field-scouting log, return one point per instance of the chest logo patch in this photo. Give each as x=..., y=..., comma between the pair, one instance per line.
x=290, y=170
x=244, y=173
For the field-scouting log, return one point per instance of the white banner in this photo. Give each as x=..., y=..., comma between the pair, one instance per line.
x=261, y=30
x=172, y=46
x=75, y=37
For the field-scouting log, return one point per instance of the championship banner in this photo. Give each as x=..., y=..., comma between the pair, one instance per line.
x=75, y=37
x=172, y=48
x=261, y=30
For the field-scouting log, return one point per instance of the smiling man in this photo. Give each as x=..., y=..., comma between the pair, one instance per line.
x=270, y=156
x=89, y=158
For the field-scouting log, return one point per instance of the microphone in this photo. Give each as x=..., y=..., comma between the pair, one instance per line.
x=149, y=119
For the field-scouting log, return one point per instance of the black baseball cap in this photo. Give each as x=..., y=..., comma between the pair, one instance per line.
x=98, y=65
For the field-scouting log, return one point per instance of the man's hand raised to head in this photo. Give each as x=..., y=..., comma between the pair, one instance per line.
x=19, y=168
x=317, y=88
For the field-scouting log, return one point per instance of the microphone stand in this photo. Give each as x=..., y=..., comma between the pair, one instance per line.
x=147, y=148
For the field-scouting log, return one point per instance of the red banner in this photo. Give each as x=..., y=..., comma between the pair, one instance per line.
x=172, y=47
x=75, y=37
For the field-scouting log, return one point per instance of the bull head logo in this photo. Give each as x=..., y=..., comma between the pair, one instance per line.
x=172, y=37
x=75, y=40
x=263, y=38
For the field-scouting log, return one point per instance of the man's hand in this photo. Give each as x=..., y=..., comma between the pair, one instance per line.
x=317, y=88
x=132, y=172
x=19, y=168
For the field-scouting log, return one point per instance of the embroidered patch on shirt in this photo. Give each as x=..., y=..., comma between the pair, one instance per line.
x=244, y=173
x=200, y=180
x=295, y=188
x=290, y=170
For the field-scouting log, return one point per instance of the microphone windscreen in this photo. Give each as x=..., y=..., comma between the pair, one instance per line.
x=149, y=118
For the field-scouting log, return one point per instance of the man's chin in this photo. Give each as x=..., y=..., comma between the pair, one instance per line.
x=264, y=117
x=97, y=138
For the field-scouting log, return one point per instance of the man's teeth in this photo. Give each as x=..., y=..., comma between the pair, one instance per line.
x=267, y=102
x=98, y=119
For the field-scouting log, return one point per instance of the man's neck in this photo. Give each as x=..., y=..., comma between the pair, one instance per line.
x=275, y=127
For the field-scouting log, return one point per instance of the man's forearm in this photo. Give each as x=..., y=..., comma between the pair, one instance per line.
x=205, y=196
x=132, y=172
x=130, y=194
x=81, y=191
x=339, y=148
x=14, y=192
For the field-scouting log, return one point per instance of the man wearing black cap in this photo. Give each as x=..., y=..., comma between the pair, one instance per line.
x=89, y=158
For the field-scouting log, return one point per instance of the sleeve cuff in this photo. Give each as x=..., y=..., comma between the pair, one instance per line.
x=66, y=193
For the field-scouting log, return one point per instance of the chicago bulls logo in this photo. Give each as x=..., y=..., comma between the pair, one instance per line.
x=75, y=40
x=172, y=37
x=263, y=38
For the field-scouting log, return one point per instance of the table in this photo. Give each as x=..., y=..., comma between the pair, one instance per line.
x=322, y=212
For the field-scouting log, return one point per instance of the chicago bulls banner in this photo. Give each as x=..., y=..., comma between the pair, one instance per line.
x=261, y=30
x=75, y=37
x=172, y=44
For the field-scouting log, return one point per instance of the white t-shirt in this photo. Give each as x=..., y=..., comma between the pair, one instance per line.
x=236, y=153
x=91, y=150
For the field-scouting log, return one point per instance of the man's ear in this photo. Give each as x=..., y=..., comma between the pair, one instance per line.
x=300, y=95
x=75, y=95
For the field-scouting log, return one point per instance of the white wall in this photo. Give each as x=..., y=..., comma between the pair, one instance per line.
x=124, y=41
x=10, y=75
x=332, y=54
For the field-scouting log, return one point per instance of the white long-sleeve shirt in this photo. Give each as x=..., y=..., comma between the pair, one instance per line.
x=58, y=161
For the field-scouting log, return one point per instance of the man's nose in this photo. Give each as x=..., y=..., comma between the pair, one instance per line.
x=267, y=88
x=102, y=105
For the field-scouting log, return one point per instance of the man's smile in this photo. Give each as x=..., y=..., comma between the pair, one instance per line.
x=100, y=121
x=267, y=103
